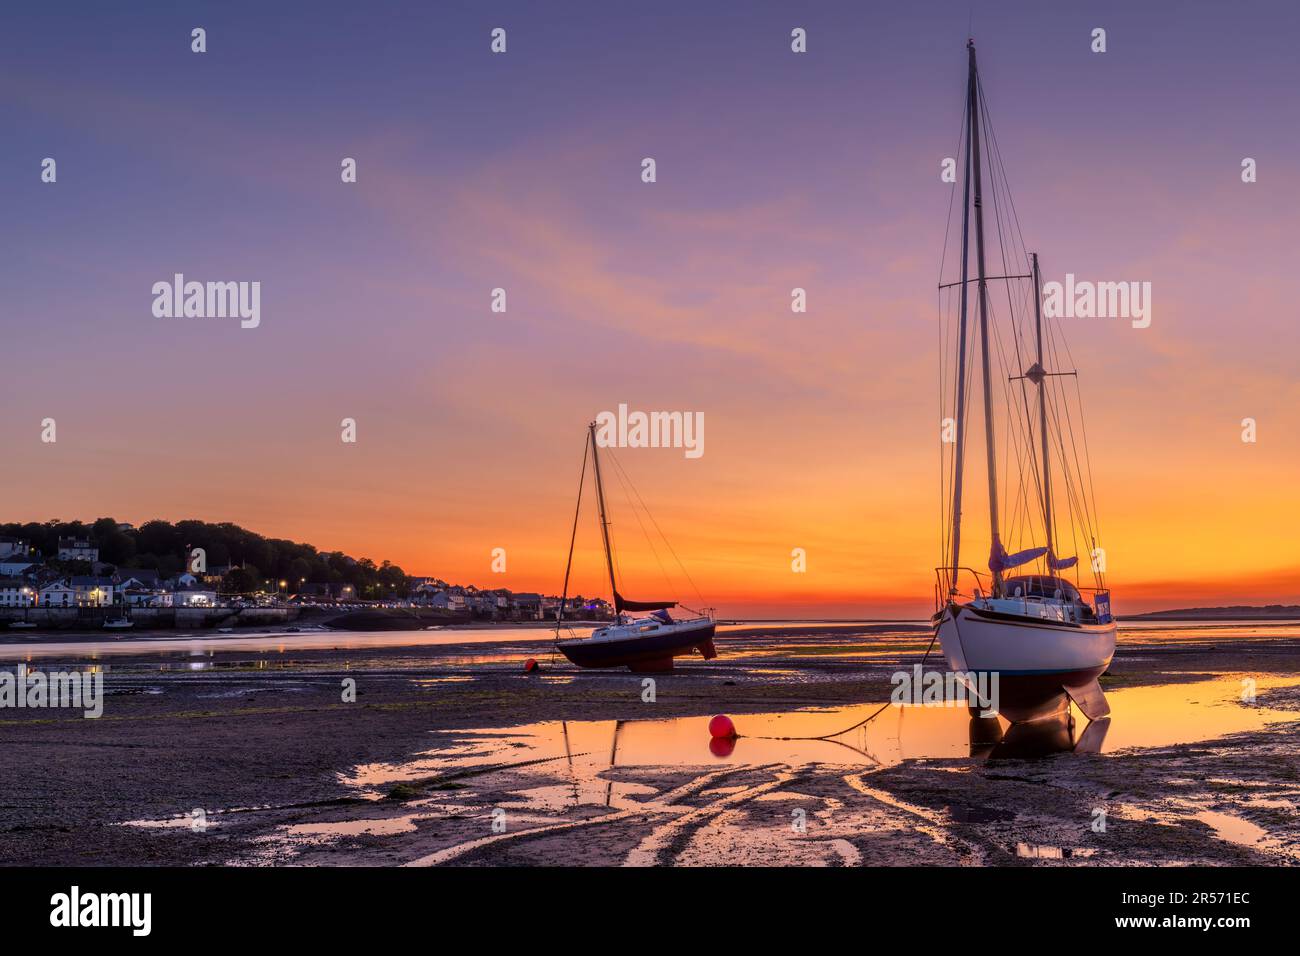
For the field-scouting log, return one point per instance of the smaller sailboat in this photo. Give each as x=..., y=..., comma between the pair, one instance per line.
x=121, y=622
x=642, y=644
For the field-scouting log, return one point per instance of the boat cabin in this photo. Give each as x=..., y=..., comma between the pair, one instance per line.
x=1043, y=596
x=1041, y=586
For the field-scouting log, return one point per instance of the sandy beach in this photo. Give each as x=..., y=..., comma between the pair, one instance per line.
x=239, y=749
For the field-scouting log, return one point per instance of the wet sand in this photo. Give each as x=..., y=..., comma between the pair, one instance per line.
x=452, y=755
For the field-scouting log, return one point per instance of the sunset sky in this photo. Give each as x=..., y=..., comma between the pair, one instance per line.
x=522, y=171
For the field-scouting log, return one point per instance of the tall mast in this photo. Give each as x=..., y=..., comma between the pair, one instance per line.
x=990, y=447
x=960, y=437
x=604, y=520
x=1041, y=375
x=573, y=539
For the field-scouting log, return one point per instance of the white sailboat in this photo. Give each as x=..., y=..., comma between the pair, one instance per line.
x=1037, y=631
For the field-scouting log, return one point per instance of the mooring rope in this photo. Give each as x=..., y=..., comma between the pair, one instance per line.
x=840, y=733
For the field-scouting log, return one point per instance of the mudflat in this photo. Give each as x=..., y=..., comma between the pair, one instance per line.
x=253, y=751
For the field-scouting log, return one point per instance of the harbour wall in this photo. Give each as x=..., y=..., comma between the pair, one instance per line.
x=150, y=618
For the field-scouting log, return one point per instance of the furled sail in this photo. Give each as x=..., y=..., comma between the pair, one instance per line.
x=622, y=604
x=999, y=560
x=1060, y=564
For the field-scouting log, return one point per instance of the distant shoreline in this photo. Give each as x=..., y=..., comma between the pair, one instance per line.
x=1270, y=612
x=218, y=622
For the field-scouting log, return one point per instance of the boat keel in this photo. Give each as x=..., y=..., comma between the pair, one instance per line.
x=1088, y=697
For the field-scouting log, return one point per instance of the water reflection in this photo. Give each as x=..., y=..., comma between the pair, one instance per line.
x=1141, y=717
x=1036, y=738
x=278, y=642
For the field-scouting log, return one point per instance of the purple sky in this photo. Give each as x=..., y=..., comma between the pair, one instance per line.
x=521, y=171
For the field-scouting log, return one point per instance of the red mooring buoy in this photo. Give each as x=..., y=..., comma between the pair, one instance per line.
x=531, y=666
x=721, y=728
x=722, y=746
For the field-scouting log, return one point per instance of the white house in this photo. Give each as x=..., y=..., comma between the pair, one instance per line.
x=488, y=602
x=77, y=549
x=145, y=597
x=15, y=565
x=429, y=596
x=13, y=547
x=92, y=591
x=194, y=597
x=140, y=588
x=58, y=594
x=15, y=592
x=143, y=577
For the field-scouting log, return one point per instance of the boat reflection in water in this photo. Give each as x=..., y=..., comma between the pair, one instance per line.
x=1034, y=739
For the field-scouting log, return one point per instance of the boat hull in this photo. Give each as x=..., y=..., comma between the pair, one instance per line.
x=648, y=653
x=1039, y=663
